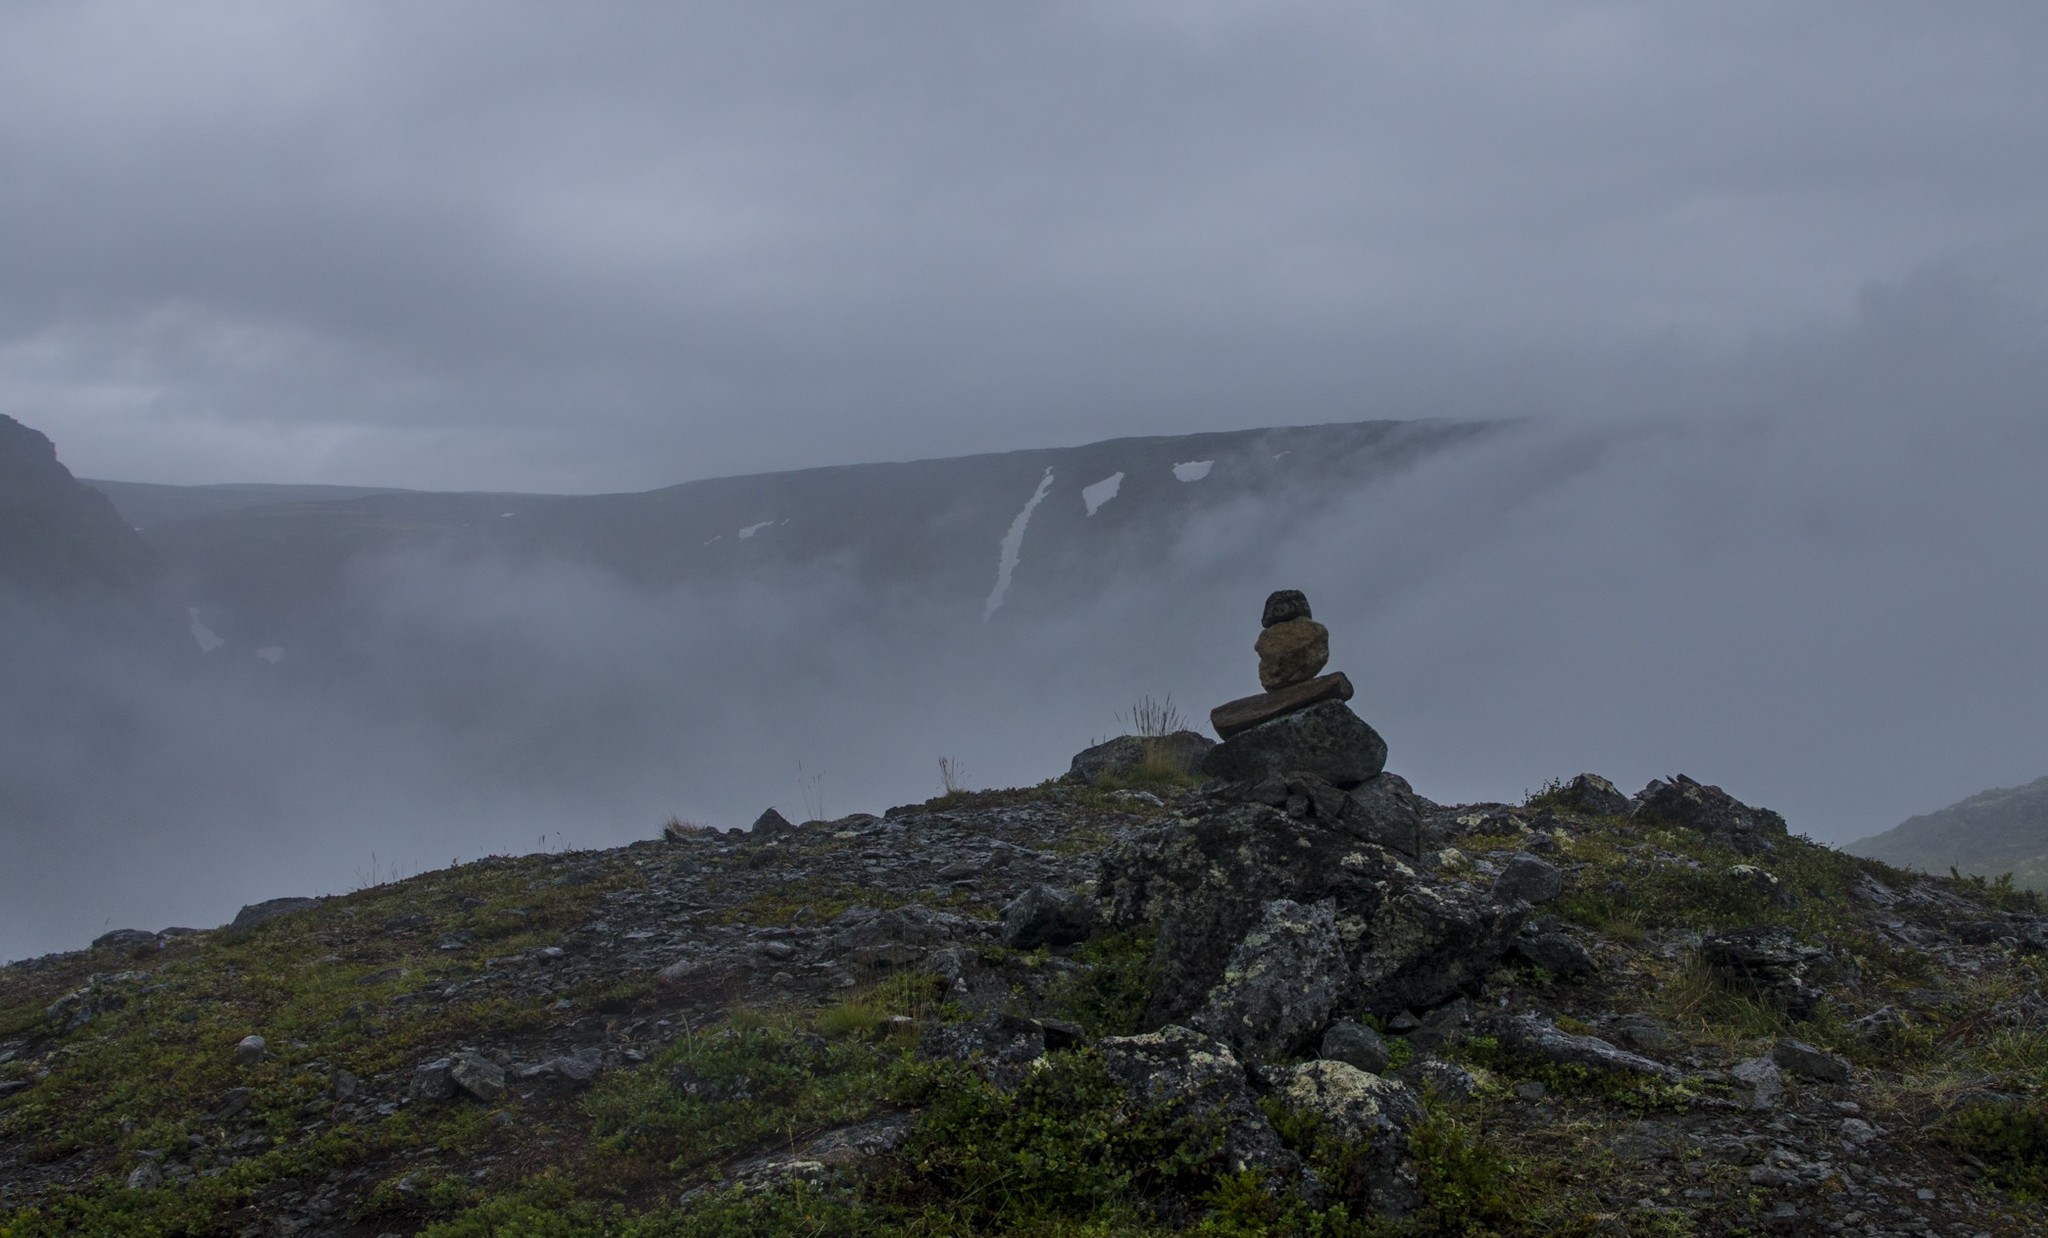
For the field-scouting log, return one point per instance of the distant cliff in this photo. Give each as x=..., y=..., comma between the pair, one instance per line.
x=61, y=540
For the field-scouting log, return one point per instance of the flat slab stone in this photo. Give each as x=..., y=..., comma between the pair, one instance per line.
x=1325, y=739
x=1247, y=712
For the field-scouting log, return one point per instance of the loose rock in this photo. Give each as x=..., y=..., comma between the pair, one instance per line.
x=1044, y=916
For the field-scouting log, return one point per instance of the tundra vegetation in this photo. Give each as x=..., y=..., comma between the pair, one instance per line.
x=722, y=1034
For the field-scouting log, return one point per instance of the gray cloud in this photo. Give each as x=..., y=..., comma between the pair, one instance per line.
x=505, y=246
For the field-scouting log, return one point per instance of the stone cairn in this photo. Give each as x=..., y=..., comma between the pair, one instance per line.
x=1300, y=724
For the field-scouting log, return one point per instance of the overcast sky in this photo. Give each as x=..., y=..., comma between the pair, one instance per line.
x=595, y=247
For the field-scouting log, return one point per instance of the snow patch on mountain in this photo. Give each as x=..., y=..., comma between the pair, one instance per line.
x=1102, y=491
x=1192, y=470
x=1013, y=542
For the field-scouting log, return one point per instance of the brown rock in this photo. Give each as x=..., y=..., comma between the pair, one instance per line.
x=1292, y=652
x=1246, y=712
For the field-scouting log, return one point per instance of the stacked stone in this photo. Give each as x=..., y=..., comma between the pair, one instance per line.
x=1300, y=724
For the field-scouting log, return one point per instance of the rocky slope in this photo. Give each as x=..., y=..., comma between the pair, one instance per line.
x=1089, y=1007
x=1990, y=833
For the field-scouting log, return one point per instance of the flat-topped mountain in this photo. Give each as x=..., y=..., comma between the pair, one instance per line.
x=971, y=538
x=1992, y=832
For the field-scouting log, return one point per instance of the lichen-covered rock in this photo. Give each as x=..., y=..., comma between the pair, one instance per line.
x=1371, y=1115
x=1326, y=739
x=1045, y=916
x=1205, y=882
x=1427, y=942
x=1710, y=811
x=1292, y=652
x=1202, y=1080
x=1592, y=795
x=1280, y=984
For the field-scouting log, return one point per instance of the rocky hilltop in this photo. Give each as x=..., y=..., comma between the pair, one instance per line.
x=1130, y=1000
x=1990, y=833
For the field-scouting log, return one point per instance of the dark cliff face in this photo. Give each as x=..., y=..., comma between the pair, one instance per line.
x=62, y=541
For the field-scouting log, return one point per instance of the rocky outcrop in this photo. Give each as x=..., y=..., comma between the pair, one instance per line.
x=1774, y=963
x=1710, y=811
x=1209, y=881
x=1280, y=984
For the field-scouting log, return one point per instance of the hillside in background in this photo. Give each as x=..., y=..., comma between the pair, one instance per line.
x=1993, y=832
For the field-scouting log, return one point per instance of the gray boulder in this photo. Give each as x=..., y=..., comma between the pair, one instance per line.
x=1325, y=739
x=1127, y=756
x=1046, y=916
x=1591, y=795
x=1280, y=984
x=1365, y=1112
x=770, y=825
x=477, y=1076
x=1539, y=1037
x=900, y=937
x=270, y=909
x=432, y=1082
x=1384, y=809
x=1808, y=1062
x=1534, y=881
x=1763, y=1080
x=1357, y=1044
x=1710, y=811
x=1552, y=950
x=1425, y=944
x=126, y=941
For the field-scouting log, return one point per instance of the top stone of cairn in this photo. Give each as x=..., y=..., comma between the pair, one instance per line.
x=1283, y=606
